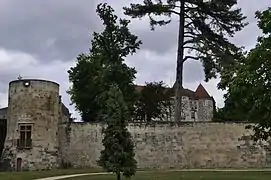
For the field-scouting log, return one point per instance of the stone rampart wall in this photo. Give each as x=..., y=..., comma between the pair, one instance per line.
x=164, y=146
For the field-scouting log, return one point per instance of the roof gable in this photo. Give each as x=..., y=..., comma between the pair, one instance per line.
x=201, y=93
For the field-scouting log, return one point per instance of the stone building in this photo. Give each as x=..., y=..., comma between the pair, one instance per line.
x=37, y=133
x=33, y=116
x=197, y=105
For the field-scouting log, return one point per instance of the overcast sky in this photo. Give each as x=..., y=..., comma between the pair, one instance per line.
x=41, y=39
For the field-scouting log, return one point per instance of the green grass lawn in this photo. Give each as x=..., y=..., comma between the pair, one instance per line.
x=152, y=175
x=41, y=174
x=186, y=176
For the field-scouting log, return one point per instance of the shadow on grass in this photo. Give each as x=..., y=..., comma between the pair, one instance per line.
x=28, y=175
x=142, y=175
x=195, y=175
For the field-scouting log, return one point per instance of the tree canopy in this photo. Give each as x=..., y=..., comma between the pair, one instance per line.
x=103, y=65
x=249, y=84
x=154, y=101
x=204, y=26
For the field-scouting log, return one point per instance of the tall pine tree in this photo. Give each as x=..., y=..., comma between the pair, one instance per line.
x=118, y=154
x=203, y=28
x=104, y=65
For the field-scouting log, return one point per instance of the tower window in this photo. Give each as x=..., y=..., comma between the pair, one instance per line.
x=25, y=141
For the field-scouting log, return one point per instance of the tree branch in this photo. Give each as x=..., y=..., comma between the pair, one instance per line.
x=191, y=57
x=192, y=9
x=174, y=12
x=189, y=41
x=188, y=24
x=200, y=51
x=191, y=33
x=189, y=36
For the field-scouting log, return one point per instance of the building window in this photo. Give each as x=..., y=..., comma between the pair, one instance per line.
x=195, y=105
x=25, y=141
x=206, y=103
x=193, y=115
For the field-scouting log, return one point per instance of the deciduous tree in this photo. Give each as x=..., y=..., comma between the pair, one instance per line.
x=203, y=29
x=250, y=86
x=104, y=65
x=153, y=101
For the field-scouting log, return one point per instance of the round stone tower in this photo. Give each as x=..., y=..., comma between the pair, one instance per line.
x=32, y=125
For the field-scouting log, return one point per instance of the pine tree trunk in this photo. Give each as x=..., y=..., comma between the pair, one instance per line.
x=179, y=73
x=118, y=176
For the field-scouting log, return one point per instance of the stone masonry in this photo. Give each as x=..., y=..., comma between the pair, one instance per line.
x=197, y=105
x=183, y=145
x=40, y=135
x=35, y=105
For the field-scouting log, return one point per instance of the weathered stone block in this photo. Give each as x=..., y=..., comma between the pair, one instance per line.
x=193, y=145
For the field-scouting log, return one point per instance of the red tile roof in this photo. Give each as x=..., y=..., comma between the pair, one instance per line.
x=201, y=93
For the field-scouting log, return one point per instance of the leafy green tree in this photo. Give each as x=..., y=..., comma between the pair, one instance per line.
x=250, y=86
x=228, y=113
x=118, y=154
x=152, y=102
x=3, y=131
x=103, y=65
x=203, y=28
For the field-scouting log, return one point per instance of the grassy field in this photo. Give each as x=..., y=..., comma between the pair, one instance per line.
x=154, y=175
x=187, y=176
x=41, y=174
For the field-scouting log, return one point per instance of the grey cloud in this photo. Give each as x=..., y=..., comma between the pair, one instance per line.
x=249, y=8
x=61, y=29
x=50, y=30
x=5, y=78
x=54, y=71
x=161, y=40
x=152, y=66
x=3, y=86
x=12, y=63
x=193, y=71
x=28, y=25
x=248, y=36
x=4, y=83
x=164, y=38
